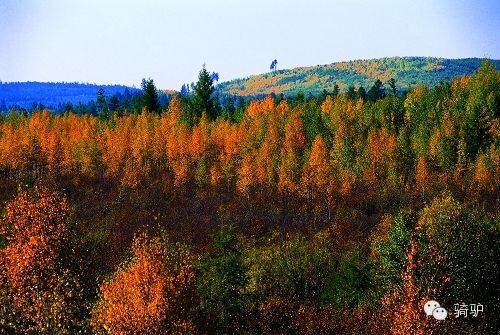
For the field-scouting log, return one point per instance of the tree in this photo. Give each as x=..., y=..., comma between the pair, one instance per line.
x=215, y=76
x=448, y=231
x=381, y=148
x=247, y=174
x=317, y=176
x=438, y=264
x=350, y=285
x=351, y=92
x=406, y=303
x=295, y=269
x=229, y=110
x=376, y=91
x=361, y=94
x=484, y=171
x=113, y=103
x=102, y=106
x=392, y=84
x=184, y=90
x=44, y=295
x=223, y=277
x=202, y=99
x=335, y=90
x=390, y=241
x=150, y=97
x=152, y=294
x=274, y=65
x=422, y=175
x=290, y=165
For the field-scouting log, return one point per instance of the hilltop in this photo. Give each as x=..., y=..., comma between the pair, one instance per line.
x=408, y=71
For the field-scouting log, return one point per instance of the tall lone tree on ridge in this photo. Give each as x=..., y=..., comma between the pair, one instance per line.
x=274, y=65
x=202, y=99
x=215, y=76
x=150, y=96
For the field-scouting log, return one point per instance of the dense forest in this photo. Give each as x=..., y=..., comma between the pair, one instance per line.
x=341, y=213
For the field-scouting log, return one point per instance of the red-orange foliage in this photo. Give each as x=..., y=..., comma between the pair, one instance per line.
x=153, y=294
x=382, y=147
x=327, y=105
x=39, y=289
x=365, y=151
x=422, y=174
x=258, y=108
x=487, y=166
x=178, y=154
x=247, y=174
x=199, y=138
x=290, y=167
x=406, y=306
x=317, y=177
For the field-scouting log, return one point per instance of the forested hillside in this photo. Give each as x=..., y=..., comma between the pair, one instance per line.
x=51, y=95
x=407, y=71
x=328, y=214
x=337, y=77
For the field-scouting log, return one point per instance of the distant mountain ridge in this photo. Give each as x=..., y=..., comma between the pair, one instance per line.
x=24, y=94
x=407, y=71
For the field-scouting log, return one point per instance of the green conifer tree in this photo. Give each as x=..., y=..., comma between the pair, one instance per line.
x=202, y=99
x=150, y=97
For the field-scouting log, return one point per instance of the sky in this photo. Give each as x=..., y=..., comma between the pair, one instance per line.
x=123, y=41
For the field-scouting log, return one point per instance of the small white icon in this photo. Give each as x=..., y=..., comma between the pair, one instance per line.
x=433, y=308
x=430, y=306
x=439, y=313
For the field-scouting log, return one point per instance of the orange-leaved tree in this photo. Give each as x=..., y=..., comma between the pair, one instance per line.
x=317, y=177
x=43, y=295
x=151, y=294
x=290, y=167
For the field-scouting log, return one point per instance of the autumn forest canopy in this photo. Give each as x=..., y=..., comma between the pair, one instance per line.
x=341, y=212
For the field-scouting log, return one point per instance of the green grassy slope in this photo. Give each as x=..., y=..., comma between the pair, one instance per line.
x=408, y=71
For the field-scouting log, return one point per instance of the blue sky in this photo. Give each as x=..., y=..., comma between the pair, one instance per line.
x=122, y=41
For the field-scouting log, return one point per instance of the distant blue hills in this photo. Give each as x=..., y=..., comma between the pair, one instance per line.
x=52, y=95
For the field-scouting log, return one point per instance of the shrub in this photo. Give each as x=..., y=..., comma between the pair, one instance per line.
x=151, y=294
